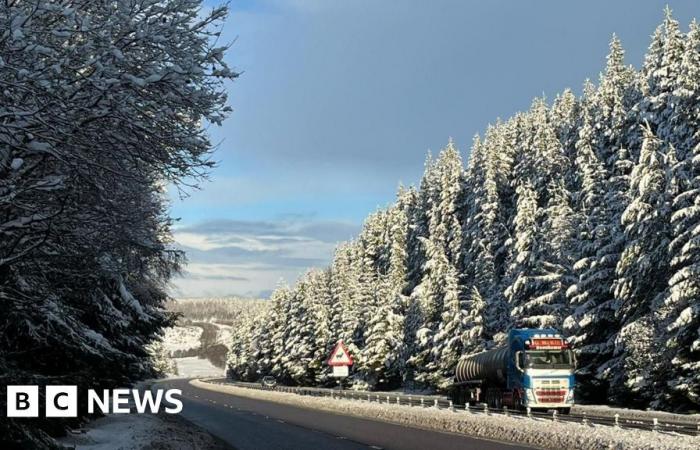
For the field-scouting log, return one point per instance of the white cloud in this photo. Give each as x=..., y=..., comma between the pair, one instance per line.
x=249, y=258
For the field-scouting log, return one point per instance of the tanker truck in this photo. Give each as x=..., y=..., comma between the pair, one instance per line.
x=534, y=369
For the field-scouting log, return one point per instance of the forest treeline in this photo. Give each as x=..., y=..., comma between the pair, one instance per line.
x=225, y=310
x=102, y=106
x=582, y=214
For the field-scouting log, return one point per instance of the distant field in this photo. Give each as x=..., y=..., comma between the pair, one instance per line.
x=204, y=329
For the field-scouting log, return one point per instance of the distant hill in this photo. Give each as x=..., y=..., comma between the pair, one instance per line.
x=204, y=328
x=223, y=310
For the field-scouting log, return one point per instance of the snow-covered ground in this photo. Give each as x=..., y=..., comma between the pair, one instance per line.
x=603, y=410
x=543, y=433
x=194, y=367
x=224, y=336
x=182, y=338
x=141, y=432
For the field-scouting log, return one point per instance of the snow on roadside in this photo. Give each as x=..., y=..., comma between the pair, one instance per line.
x=603, y=410
x=180, y=338
x=536, y=432
x=141, y=432
x=193, y=367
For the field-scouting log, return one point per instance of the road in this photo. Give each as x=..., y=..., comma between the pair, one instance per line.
x=255, y=424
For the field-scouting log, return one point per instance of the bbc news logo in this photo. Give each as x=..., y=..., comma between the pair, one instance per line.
x=62, y=401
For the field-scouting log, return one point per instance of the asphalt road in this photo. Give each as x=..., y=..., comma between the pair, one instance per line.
x=249, y=424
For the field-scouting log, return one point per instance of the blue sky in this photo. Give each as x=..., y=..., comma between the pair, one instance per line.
x=339, y=102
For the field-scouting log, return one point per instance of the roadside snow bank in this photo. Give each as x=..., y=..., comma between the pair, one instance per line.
x=535, y=432
x=603, y=410
x=141, y=432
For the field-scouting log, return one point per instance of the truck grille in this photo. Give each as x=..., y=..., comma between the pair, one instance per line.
x=550, y=395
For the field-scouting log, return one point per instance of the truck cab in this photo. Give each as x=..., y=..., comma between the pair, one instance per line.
x=533, y=369
x=541, y=375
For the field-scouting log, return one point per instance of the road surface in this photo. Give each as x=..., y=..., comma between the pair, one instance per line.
x=251, y=424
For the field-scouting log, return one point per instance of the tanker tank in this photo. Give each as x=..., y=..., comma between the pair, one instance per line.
x=490, y=365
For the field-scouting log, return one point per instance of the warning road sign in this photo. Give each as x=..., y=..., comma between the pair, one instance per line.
x=340, y=356
x=341, y=371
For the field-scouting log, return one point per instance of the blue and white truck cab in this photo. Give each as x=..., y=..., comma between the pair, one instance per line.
x=534, y=369
x=544, y=369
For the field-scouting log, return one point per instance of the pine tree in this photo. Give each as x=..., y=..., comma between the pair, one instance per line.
x=281, y=303
x=611, y=108
x=93, y=128
x=322, y=317
x=683, y=123
x=565, y=116
x=641, y=270
x=444, y=225
x=429, y=295
x=542, y=268
x=382, y=353
x=524, y=247
x=299, y=346
x=475, y=339
x=681, y=315
x=484, y=226
x=662, y=67
x=448, y=338
x=397, y=277
x=591, y=323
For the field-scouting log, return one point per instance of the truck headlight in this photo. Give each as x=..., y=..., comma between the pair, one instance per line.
x=569, y=396
x=530, y=396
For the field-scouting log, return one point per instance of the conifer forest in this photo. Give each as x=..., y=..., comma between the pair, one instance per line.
x=582, y=214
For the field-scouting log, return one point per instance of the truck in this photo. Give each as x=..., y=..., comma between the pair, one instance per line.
x=534, y=369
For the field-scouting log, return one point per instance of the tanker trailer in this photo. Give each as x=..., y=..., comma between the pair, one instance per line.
x=535, y=369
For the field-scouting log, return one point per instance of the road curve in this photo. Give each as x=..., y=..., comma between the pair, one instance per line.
x=251, y=424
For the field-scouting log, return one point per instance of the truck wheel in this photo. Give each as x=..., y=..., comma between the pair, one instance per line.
x=518, y=402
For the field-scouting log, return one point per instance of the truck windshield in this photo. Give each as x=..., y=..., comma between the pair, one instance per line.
x=547, y=359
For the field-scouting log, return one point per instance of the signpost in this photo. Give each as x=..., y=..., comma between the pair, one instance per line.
x=341, y=371
x=341, y=361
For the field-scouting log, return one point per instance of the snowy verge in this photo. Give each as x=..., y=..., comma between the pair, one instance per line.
x=541, y=433
x=604, y=410
x=141, y=432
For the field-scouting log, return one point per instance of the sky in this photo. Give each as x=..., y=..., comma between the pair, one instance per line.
x=339, y=102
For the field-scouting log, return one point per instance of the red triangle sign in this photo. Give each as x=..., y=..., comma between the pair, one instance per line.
x=340, y=356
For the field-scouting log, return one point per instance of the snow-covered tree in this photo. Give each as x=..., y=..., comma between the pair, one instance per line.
x=591, y=323
x=662, y=68
x=524, y=246
x=163, y=364
x=447, y=346
x=681, y=332
x=475, y=339
x=102, y=105
x=383, y=350
x=642, y=269
x=582, y=216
